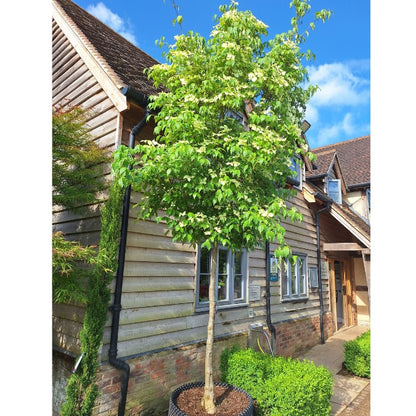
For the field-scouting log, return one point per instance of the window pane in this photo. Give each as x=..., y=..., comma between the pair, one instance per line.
x=222, y=274
x=238, y=292
x=222, y=261
x=334, y=190
x=284, y=279
x=302, y=278
x=293, y=279
x=203, y=287
x=205, y=261
x=295, y=168
x=238, y=276
x=238, y=257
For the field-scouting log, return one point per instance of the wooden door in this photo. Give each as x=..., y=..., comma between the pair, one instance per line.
x=340, y=293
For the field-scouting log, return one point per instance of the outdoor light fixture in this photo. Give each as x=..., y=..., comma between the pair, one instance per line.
x=305, y=126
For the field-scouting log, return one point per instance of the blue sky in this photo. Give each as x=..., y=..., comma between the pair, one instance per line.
x=339, y=111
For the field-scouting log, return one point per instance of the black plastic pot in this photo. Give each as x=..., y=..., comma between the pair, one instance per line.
x=175, y=411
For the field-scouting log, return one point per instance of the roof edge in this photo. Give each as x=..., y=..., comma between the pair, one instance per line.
x=356, y=231
x=104, y=75
x=360, y=185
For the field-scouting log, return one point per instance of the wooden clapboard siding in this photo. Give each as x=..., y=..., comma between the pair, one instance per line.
x=158, y=301
x=67, y=322
x=301, y=237
x=158, y=288
x=73, y=84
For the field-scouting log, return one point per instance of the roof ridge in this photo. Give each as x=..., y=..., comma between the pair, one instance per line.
x=342, y=142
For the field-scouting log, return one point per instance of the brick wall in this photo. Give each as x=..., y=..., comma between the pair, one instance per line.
x=153, y=377
x=62, y=366
x=295, y=336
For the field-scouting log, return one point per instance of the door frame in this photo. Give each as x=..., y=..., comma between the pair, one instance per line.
x=347, y=291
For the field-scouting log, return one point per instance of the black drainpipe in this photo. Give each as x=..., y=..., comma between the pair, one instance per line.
x=271, y=327
x=116, y=307
x=318, y=234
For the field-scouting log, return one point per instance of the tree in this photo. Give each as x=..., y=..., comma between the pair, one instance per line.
x=227, y=130
x=77, y=177
x=77, y=162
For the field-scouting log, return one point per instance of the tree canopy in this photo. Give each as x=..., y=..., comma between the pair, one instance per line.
x=77, y=161
x=227, y=130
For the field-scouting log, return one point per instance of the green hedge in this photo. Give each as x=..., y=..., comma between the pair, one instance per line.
x=357, y=355
x=280, y=386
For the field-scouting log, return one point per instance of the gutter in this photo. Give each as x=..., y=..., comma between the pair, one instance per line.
x=116, y=307
x=359, y=185
x=328, y=202
x=270, y=326
x=136, y=96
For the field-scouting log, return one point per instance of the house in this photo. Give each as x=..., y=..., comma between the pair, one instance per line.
x=342, y=171
x=164, y=311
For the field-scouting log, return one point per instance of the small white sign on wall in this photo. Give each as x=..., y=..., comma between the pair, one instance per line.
x=254, y=293
x=313, y=277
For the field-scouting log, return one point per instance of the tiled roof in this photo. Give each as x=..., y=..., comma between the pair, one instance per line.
x=124, y=60
x=347, y=213
x=354, y=158
x=354, y=219
x=322, y=163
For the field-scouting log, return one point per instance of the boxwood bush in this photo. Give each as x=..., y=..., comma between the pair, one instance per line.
x=280, y=386
x=357, y=355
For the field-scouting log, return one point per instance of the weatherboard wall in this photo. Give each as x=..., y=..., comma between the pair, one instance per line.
x=73, y=84
x=158, y=301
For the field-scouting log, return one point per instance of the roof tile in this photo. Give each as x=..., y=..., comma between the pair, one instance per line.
x=354, y=158
x=125, y=59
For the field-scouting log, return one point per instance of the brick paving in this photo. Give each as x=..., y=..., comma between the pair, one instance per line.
x=360, y=406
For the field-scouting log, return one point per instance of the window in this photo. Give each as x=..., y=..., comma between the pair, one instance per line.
x=231, y=277
x=297, y=169
x=294, y=284
x=334, y=190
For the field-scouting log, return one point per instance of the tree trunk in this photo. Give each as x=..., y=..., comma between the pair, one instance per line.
x=208, y=401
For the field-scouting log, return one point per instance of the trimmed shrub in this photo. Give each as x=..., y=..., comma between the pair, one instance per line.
x=357, y=355
x=280, y=386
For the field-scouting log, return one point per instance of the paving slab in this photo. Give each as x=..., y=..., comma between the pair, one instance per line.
x=349, y=391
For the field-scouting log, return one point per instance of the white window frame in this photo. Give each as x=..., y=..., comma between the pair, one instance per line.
x=287, y=292
x=338, y=196
x=297, y=166
x=229, y=300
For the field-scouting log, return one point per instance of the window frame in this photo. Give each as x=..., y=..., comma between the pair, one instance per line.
x=229, y=301
x=338, y=200
x=297, y=166
x=286, y=279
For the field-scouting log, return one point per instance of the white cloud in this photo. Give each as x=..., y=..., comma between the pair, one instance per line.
x=339, y=110
x=113, y=20
x=340, y=84
x=312, y=114
x=348, y=127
